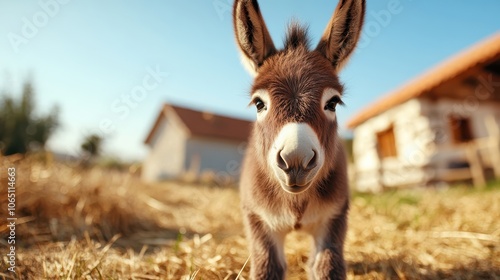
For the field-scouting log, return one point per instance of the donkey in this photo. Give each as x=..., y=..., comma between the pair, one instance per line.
x=294, y=171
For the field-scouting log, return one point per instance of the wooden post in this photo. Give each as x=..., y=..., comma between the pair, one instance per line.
x=494, y=144
x=380, y=175
x=476, y=167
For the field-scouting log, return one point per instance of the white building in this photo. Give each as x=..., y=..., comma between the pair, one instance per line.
x=442, y=126
x=184, y=141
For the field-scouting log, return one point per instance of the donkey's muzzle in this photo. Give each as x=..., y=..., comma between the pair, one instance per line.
x=297, y=157
x=296, y=167
x=294, y=161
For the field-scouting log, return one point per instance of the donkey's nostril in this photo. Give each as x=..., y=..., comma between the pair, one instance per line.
x=312, y=162
x=288, y=161
x=281, y=162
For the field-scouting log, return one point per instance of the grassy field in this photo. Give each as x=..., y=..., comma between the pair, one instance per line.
x=101, y=224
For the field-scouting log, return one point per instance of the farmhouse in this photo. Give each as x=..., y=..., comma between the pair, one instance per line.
x=440, y=127
x=183, y=142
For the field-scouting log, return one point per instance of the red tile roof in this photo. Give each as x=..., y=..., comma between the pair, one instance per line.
x=481, y=53
x=206, y=124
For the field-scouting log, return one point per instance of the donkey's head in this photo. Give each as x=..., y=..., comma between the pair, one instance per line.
x=296, y=92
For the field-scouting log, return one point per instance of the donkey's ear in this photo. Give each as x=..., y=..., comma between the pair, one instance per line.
x=252, y=36
x=342, y=32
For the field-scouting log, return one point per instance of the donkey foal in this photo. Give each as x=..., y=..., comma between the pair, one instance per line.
x=294, y=172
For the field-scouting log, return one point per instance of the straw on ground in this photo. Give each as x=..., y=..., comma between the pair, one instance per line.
x=101, y=224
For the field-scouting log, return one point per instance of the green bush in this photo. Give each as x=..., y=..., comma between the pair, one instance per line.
x=21, y=129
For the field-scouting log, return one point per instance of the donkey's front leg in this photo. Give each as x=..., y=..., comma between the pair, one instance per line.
x=266, y=249
x=328, y=257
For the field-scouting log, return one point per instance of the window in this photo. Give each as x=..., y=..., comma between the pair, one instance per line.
x=461, y=131
x=386, y=143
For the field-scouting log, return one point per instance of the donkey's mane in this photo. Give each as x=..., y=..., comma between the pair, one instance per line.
x=296, y=36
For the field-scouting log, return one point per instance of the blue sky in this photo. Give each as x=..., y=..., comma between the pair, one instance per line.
x=90, y=56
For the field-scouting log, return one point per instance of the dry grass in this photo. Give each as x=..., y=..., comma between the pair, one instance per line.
x=96, y=224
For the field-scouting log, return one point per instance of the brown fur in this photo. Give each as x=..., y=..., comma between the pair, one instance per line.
x=295, y=78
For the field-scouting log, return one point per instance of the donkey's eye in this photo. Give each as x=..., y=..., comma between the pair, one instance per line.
x=331, y=105
x=259, y=104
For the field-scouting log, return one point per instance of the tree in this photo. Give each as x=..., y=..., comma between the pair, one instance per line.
x=92, y=145
x=21, y=129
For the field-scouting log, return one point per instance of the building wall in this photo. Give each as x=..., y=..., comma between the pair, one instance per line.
x=167, y=150
x=412, y=137
x=423, y=140
x=214, y=155
x=438, y=112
